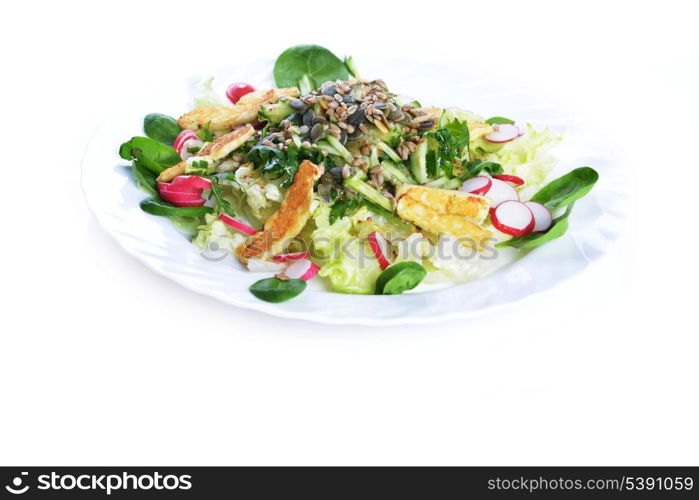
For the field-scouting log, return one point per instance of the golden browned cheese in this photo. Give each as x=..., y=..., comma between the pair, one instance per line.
x=286, y=222
x=442, y=211
x=223, y=118
x=212, y=151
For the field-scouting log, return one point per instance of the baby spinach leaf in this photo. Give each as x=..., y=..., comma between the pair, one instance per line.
x=151, y=154
x=276, y=290
x=145, y=179
x=400, y=277
x=156, y=206
x=499, y=119
x=162, y=128
x=565, y=190
x=351, y=68
x=312, y=63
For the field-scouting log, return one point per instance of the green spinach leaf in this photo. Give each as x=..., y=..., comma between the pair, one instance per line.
x=151, y=154
x=499, y=119
x=145, y=179
x=156, y=206
x=312, y=63
x=162, y=128
x=276, y=290
x=400, y=277
x=565, y=190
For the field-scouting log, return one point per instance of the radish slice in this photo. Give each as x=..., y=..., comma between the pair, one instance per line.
x=517, y=181
x=513, y=218
x=189, y=144
x=179, y=197
x=503, y=132
x=302, y=269
x=381, y=248
x=236, y=224
x=522, y=130
x=183, y=137
x=289, y=257
x=191, y=182
x=187, y=203
x=542, y=216
x=264, y=266
x=477, y=185
x=501, y=191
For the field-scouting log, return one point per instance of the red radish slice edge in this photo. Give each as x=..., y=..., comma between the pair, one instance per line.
x=501, y=191
x=543, y=218
x=183, y=137
x=503, y=132
x=302, y=269
x=477, y=185
x=187, y=203
x=380, y=247
x=236, y=224
x=513, y=218
x=522, y=131
x=191, y=181
x=289, y=257
x=517, y=181
x=182, y=196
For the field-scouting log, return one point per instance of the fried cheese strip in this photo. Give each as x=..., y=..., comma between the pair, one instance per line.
x=444, y=211
x=286, y=222
x=222, y=118
x=212, y=152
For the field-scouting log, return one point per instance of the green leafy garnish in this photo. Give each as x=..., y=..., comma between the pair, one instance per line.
x=205, y=133
x=499, y=119
x=276, y=290
x=151, y=154
x=222, y=204
x=400, y=277
x=344, y=206
x=447, y=145
x=312, y=64
x=476, y=167
x=162, y=128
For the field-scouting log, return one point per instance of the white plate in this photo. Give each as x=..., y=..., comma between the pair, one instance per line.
x=595, y=223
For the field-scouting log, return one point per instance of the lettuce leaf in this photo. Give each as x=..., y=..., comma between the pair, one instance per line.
x=346, y=260
x=205, y=95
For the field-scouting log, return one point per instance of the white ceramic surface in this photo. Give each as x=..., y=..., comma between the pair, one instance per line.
x=595, y=223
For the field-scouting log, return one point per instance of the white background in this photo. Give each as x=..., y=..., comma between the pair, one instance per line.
x=104, y=362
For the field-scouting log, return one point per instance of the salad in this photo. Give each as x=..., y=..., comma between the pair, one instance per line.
x=334, y=177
